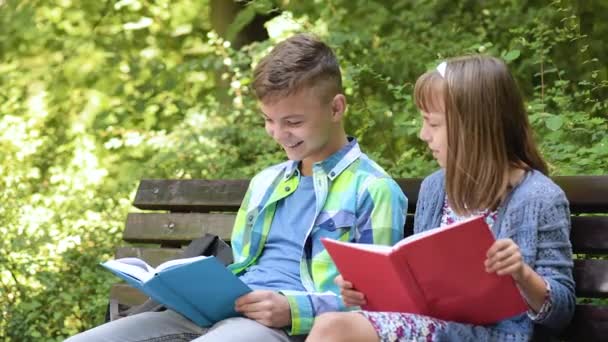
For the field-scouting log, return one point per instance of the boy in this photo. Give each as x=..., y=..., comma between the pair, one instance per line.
x=328, y=188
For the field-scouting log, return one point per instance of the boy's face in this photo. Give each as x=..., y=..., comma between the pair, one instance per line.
x=306, y=127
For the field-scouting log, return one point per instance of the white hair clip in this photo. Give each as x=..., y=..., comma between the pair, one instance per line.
x=441, y=68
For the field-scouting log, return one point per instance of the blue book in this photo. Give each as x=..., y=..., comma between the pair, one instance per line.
x=200, y=288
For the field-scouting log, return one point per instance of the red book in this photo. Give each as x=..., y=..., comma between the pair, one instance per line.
x=438, y=273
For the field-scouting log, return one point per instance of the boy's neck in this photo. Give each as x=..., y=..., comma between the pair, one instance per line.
x=337, y=144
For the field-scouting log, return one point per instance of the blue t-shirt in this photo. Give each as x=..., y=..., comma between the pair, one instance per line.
x=278, y=267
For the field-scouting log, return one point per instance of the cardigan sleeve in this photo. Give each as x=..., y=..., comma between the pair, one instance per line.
x=554, y=262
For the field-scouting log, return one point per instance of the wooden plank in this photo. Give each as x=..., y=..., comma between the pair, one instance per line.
x=179, y=228
x=126, y=294
x=590, y=323
x=190, y=195
x=154, y=256
x=408, y=229
x=411, y=188
x=198, y=195
x=591, y=277
x=587, y=194
x=589, y=234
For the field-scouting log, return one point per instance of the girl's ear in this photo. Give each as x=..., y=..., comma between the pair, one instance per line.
x=338, y=107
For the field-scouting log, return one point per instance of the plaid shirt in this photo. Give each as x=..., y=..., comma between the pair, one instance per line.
x=356, y=200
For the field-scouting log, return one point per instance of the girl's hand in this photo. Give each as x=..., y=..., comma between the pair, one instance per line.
x=504, y=257
x=350, y=296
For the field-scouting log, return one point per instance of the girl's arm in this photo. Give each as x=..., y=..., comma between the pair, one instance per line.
x=549, y=287
x=504, y=258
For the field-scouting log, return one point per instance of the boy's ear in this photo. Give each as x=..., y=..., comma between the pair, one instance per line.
x=338, y=106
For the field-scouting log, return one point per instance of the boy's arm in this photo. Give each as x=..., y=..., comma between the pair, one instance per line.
x=381, y=213
x=305, y=306
x=380, y=220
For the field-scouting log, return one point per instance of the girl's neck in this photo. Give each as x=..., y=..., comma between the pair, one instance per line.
x=516, y=175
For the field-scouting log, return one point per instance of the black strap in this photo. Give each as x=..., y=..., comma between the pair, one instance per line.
x=209, y=245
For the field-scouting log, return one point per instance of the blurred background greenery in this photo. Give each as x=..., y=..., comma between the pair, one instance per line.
x=95, y=95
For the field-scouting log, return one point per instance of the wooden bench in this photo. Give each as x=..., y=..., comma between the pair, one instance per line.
x=186, y=209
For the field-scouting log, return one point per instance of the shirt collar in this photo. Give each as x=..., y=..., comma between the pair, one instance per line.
x=333, y=165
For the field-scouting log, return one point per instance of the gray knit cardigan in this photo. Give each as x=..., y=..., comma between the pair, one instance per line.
x=536, y=216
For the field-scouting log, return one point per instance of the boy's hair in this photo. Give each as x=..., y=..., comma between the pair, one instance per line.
x=301, y=61
x=487, y=129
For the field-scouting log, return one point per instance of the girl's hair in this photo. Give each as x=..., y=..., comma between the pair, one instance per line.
x=487, y=129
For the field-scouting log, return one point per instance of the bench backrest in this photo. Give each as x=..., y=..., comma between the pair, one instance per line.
x=191, y=208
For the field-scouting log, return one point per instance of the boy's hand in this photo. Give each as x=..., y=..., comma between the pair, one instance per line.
x=350, y=296
x=265, y=307
x=504, y=257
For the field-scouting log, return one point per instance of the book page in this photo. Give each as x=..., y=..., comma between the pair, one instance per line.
x=133, y=267
x=418, y=236
x=136, y=262
x=432, y=231
x=176, y=262
x=365, y=246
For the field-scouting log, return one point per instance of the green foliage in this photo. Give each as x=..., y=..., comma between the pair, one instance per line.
x=95, y=95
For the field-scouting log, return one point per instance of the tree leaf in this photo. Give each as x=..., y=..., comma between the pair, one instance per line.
x=554, y=122
x=511, y=55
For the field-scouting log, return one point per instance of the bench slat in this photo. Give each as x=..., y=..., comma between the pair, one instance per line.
x=176, y=227
x=587, y=194
x=411, y=188
x=591, y=277
x=190, y=195
x=127, y=295
x=590, y=323
x=589, y=234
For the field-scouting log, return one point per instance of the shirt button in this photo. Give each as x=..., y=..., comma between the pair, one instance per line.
x=250, y=217
x=287, y=189
x=332, y=174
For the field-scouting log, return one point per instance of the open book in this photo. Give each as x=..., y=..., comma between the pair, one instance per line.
x=438, y=273
x=200, y=288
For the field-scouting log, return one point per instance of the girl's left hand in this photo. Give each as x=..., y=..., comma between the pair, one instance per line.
x=504, y=257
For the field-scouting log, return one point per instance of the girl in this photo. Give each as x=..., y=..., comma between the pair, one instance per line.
x=475, y=124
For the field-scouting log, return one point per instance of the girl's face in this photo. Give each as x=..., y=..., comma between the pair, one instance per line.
x=434, y=132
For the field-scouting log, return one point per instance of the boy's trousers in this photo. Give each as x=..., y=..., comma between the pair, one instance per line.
x=169, y=326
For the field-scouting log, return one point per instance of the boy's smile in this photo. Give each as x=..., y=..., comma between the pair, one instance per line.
x=294, y=146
